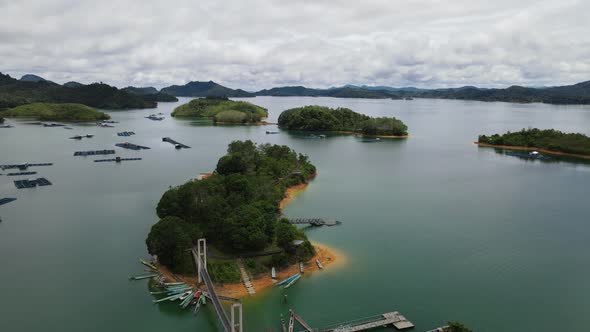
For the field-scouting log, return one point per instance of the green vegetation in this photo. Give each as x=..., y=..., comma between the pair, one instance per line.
x=236, y=209
x=204, y=89
x=223, y=271
x=221, y=110
x=319, y=118
x=549, y=139
x=56, y=112
x=150, y=94
x=1, y=120
x=456, y=327
x=15, y=93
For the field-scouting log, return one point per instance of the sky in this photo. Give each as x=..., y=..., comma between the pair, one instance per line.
x=258, y=44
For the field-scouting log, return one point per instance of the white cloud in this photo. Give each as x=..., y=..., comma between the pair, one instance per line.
x=264, y=43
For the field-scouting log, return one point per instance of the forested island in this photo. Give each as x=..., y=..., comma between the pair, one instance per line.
x=325, y=119
x=34, y=89
x=221, y=110
x=549, y=140
x=236, y=209
x=56, y=112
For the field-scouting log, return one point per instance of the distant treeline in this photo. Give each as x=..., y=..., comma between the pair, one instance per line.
x=548, y=139
x=319, y=118
x=236, y=209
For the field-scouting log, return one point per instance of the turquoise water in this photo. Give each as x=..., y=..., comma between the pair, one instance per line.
x=433, y=226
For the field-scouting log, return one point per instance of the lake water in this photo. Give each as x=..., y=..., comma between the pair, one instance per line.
x=433, y=226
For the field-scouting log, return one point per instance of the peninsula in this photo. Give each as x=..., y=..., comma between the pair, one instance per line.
x=547, y=141
x=56, y=112
x=325, y=119
x=237, y=210
x=221, y=110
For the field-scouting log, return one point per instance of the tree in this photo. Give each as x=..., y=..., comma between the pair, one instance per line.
x=170, y=242
x=456, y=327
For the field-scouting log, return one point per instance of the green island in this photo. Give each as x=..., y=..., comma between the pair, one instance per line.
x=221, y=110
x=237, y=210
x=56, y=112
x=549, y=140
x=325, y=119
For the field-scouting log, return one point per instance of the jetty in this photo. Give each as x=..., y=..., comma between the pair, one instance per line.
x=394, y=318
x=176, y=144
x=21, y=173
x=32, y=183
x=7, y=200
x=126, y=133
x=314, y=221
x=93, y=153
x=117, y=160
x=24, y=166
x=131, y=146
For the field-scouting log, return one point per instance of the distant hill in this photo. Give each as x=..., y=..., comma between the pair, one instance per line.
x=150, y=94
x=141, y=91
x=72, y=84
x=32, y=78
x=343, y=92
x=15, y=93
x=204, y=89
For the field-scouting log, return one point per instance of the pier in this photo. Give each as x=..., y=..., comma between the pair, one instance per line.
x=24, y=166
x=117, y=160
x=176, y=144
x=21, y=173
x=395, y=319
x=314, y=221
x=7, y=200
x=93, y=153
x=32, y=183
x=131, y=146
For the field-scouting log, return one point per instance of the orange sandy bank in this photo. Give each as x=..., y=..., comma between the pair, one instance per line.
x=264, y=123
x=526, y=148
x=291, y=193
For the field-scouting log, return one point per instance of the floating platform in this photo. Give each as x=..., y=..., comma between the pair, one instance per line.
x=272, y=132
x=117, y=160
x=7, y=200
x=389, y=318
x=131, y=146
x=32, y=183
x=21, y=173
x=82, y=136
x=314, y=221
x=175, y=143
x=154, y=117
x=53, y=125
x=24, y=166
x=105, y=125
x=126, y=133
x=530, y=155
x=93, y=153
x=6, y=126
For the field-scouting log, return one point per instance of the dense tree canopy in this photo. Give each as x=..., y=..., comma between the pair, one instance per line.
x=456, y=327
x=237, y=208
x=549, y=139
x=56, y=112
x=319, y=118
x=221, y=109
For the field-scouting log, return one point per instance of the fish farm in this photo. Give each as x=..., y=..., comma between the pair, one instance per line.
x=21, y=173
x=82, y=136
x=24, y=166
x=126, y=133
x=32, y=183
x=93, y=153
x=117, y=160
x=175, y=143
x=7, y=200
x=131, y=146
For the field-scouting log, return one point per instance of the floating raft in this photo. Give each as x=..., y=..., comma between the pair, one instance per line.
x=81, y=136
x=527, y=155
x=21, y=173
x=6, y=126
x=272, y=132
x=7, y=200
x=126, y=133
x=153, y=117
x=53, y=125
x=117, y=160
x=175, y=143
x=131, y=146
x=32, y=183
x=24, y=166
x=93, y=153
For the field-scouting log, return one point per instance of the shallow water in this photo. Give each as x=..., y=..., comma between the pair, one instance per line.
x=433, y=226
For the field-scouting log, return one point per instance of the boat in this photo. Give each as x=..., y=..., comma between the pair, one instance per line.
x=173, y=283
x=171, y=298
x=89, y=135
x=273, y=273
x=317, y=261
x=284, y=281
x=150, y=265
x=272, y=132
x=301, y=267
x=294, y=280
x=76, y=137
x=185, y=295
x=185, y=302
x=197, y=307
x=146, y=276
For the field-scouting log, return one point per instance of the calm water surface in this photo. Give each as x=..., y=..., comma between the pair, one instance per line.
x=433, y=226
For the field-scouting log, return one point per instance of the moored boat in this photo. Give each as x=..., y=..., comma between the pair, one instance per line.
x=294, y=280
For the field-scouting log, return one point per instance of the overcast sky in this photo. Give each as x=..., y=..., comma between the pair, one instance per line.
x=254, y=44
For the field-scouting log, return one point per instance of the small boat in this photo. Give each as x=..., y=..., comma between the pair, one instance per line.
x=150, y=265
x=293, y=281
x=185, y=295
x=301, y=267
x=146, y=276
x=285, y=281
x=76, y=137
x=173, y=283
x=317, y=261
x=273, y=273
x=197, y=307
x=171, y=298
x=89, y=135
x=185, y=302
x=272, y=132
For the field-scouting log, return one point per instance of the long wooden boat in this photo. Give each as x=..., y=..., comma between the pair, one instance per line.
x=285, y=281
x=292, y=281
x=145, y=276
x=148, y=264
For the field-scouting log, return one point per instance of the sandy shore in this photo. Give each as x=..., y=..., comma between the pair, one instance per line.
x=526, y=148
x=291, y=193
x=370, y=136
x=263, y=123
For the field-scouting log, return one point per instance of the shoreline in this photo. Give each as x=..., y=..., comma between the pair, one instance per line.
x=526, y=148
x=370, y=136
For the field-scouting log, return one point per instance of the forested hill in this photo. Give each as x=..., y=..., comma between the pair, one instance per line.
x=343, y=92
x=150, y=94
x=204, y=89
x=15, y=93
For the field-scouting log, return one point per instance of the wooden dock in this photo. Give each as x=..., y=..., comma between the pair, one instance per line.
x=389, y=318
x=314, y=221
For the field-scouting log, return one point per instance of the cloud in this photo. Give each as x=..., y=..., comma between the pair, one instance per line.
x=263, y=43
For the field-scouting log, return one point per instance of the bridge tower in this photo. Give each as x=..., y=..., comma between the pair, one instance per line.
x=201, y=253
x=236, y=325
